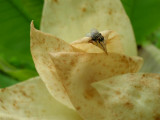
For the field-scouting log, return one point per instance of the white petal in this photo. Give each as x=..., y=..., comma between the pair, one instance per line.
x=151, y=56
x=71, y=20
x=30, y=100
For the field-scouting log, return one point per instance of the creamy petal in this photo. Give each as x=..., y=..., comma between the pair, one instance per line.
x=41, y=45
x=151, y=56
x=78, y=70
x=71, y=20
x=30, y=100
x=131, y=96
x=112, y=40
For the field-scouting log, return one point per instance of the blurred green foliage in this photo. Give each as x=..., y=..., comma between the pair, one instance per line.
x=144, y=16
x=6, y=81
x=155, y=37
x=15, y=57
x=15, y=16
x=16, y=73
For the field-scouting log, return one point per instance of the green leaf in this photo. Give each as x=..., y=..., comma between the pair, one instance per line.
x=19, y=74
x=6, y=81
x=155, y=38
x=15, y=18
x=144, y=16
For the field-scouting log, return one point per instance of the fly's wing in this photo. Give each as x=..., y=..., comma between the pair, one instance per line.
x=93, y=31
x=88, y=35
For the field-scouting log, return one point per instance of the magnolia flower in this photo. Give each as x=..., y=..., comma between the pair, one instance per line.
x=78, y=80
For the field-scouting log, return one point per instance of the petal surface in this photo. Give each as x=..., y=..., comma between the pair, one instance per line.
x=151, y=56
x=78, y=71
x=112, y=40
x=30, y=100
x=71, y=20
x=41, y=45
x=131, y=96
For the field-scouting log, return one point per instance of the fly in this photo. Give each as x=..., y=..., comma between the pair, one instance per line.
x=97, y=39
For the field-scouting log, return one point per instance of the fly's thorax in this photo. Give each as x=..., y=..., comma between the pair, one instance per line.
x=96, y=36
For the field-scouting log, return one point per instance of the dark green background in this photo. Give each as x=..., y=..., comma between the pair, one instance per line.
x=15, y=16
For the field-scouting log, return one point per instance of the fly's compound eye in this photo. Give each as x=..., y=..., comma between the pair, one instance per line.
x=101, y=39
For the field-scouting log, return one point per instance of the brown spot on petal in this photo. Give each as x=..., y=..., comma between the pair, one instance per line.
x=78, y=70
x=14, y=91
x=4, y=107
x=3, y=89
x=139, y=87
x=56, y=1
x=15, y=104
x=144, y=75
x=100, y=103
x=113, y=70
x=66, y=77
x=83, y=9
x=110, y=12
x=1, y=100
x=118, y=92
x=68, y=83
x=129, y=105
x=124, y=59
x=130, y=59
x=43, y=110
x=99, y=73
x=78, y=107
x=24, y=94
x=57, y=89
x=99, y=61
x=64, y=61
x=104, y=64
x=157, y=117
x=27, y=96
x=111, y=82
x=72, y=18
x=89, y=93
x=72, y=63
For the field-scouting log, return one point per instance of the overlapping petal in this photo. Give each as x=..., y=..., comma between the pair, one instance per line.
x=31, y=100
x=80, y=81
x=77, y=71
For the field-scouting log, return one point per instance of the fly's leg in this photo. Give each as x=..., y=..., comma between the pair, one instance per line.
x=104, y=48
